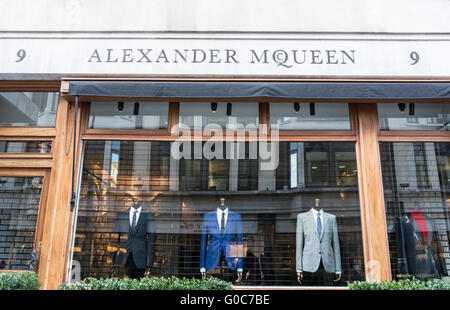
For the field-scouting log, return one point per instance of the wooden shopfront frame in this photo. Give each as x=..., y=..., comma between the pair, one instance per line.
x=364, y=132
x=30, y=164
x=55, y=223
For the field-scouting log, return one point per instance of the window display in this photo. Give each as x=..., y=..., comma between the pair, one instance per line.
x=197, y=219
x=223, y=229
x=416, y=197
x=135, y=247
x=318, y=251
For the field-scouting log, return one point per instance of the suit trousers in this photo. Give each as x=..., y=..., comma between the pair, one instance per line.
x=222, y=271
x=318, y=278
x=133, y=271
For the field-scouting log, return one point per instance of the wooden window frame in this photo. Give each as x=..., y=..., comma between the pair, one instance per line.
x=29, y=132
x=36, y=172
x=173, y=117
x=364, y=132
x=413, y=135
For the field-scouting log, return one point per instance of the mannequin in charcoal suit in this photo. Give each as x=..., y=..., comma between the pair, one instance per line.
x=419, y=252
x=136, y=251
x=223, y=228
x=318, y=254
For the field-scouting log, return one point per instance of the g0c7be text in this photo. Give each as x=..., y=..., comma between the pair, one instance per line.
x=246, y=299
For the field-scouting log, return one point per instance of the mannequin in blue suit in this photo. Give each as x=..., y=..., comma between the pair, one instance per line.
x=224, y=229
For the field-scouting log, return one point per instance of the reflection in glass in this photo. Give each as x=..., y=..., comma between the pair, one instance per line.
x=28, y=108
x=18, y=218
x=416, y=116
x=179, y=192
x=129, y=115
x=198, y=115
x=25, y=146
x=326, y=116
x=416, y=197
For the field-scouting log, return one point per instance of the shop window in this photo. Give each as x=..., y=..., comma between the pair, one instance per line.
x=416, y=191
x=129, y=115
x=414, y=116
x=19, y=205
x=309, y=116
x=247, y=169
x=28, y=108
x=224, y=115
x=179, y=201
x=25, y=146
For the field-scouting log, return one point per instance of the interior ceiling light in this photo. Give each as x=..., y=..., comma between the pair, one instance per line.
x=229, y=108
x=214, y=107
x=296, y=107
x=402, y=107
x=312, y=109
x=120, y=105
x=411, y=109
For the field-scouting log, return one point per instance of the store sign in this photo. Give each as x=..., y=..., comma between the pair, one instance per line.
x=50, y=57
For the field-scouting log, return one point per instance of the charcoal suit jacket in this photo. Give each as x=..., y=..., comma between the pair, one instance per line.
x=140, y=240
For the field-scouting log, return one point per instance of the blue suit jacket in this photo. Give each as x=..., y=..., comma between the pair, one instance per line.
x=229, y=242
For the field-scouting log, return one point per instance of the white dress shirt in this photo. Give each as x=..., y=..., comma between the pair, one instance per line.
x=219, y=217
x=316, y=213
x=219, y=221
x=137, y=214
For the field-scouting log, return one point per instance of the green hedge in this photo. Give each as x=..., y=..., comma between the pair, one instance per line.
x=19, y=281
x=407, y=284
x=148, y=283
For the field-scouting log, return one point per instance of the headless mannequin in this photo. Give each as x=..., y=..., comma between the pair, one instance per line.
x=300, y=274
x=223, y=207
x=136, y=205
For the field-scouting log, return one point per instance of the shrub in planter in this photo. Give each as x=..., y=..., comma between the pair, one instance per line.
x=148, y=283
x=19, y=281
x=407, y=284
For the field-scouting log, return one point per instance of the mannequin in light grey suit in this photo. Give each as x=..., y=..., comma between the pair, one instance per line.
x=312, y=249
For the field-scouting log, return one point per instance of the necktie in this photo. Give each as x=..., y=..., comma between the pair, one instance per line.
x=222, y=223
x=319, y=224
x=133, y=222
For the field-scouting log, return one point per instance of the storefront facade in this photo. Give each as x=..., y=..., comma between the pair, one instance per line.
x=177, y=117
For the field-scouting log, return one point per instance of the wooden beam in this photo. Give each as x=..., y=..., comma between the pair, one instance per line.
x=56, y=232
x=373, y=214
x=17, y=86
x=41, y=133
x=26, y=163
x=174, y=115
x=23, y=172
x=35, y=156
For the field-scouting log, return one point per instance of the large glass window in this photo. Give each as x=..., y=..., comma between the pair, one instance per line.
x=270, y=230
x=129, y=115
x=225, y=115
x=28, y=108
x=414, y=116
x=19, y=205
x=310, y=116
x=416, y=190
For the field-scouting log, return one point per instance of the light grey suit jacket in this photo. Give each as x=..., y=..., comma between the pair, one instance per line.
x=311, y=249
